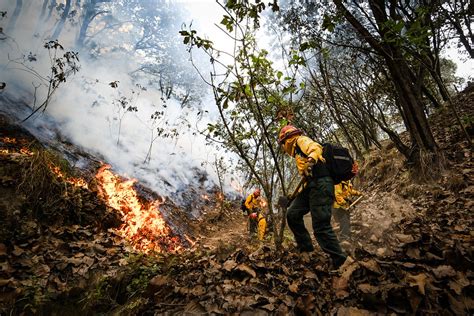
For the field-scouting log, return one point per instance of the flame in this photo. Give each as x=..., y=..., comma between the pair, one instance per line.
x=237, y=186
x=143, y=225
x=22, y=151
x=205, y=197
x=78, y=182
x=263, y=202
x=8, y=140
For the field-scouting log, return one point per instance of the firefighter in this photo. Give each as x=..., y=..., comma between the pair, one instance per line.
x=343, y=191
x=256, y=220
x=316, y=197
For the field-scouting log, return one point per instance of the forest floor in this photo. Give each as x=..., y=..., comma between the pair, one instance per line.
x=412, y=244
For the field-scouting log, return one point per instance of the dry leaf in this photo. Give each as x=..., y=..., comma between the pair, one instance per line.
x=159, y=280
x=245, y=268
x=371, y=265
x=198, y=290
x=419, y=281
x=406, y=239
x=194, y=308
x=269, y=307
x=459, y=284
x=5, y=282
x=444, y=271
x=413, y=253
x=293, y=287
x=17, y=251
x=229, y=265
x=353, y=311
x=368, y=288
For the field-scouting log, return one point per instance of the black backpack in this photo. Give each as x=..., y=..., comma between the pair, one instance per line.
x=339, y=162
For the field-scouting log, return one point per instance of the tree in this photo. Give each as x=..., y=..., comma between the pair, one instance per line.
x=249, y=95
x=91, y=9
x=59, y=27
x=16, y=13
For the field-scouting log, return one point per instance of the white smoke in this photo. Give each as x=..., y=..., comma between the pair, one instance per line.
x=86, y=110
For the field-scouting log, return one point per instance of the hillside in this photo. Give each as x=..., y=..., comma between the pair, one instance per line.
x=61, y=253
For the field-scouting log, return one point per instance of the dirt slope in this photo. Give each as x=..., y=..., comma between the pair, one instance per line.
x=412, y=242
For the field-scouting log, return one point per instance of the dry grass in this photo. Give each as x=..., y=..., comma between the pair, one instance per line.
x=46, y=193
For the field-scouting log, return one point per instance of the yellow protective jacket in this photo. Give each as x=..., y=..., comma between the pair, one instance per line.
x=342, y=191
x=308, y=146
x=251, y=202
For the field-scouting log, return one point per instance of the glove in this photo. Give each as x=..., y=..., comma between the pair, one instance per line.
x=355, y=167
x=308, y=171
x=253, y=216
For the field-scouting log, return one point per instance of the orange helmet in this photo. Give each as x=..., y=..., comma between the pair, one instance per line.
x=288, y=131
x=256, y=192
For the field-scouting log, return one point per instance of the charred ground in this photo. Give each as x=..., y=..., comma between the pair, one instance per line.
x=413, y=243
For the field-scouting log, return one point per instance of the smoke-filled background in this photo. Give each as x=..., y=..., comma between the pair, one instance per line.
x=135, y=100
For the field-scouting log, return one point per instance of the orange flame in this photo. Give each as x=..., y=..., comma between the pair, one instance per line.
x=8, y=140
x=143, y=226
x=205, y=197
x=22, y=152
x=78, y=182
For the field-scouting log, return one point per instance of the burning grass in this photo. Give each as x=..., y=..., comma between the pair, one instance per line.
x=143, y=225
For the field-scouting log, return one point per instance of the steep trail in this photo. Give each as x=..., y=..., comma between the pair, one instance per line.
x=221, y=233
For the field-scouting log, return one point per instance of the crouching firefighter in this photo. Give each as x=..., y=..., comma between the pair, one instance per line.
x=316, y=197
x=344, y=191
x=256, y=221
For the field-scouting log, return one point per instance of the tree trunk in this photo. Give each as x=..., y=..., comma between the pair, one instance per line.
x=16, y=13
x=64, y=16
x=414, y=117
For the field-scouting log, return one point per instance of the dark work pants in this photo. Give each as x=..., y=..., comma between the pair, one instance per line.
x=316, y=198
x=343, y=217
x=252, y=225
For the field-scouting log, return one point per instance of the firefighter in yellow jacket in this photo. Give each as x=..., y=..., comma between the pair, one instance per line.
x=344, y=191
x=255, y=217
x=317, y=196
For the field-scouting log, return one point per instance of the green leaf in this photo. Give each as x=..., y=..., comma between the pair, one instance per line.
x=248, y=91
x=328, y=24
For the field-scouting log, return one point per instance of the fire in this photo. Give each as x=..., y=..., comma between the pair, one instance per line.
x=205, y=197
x=78, y=182
x=237, y=186
x=263, y=203
x=8, y=140
x=143, y=225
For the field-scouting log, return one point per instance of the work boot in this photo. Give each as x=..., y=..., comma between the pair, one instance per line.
x=349, y=261
x=307, y=248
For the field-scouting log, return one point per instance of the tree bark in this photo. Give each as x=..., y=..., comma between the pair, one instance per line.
x=62, y=21
x=16, y=13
